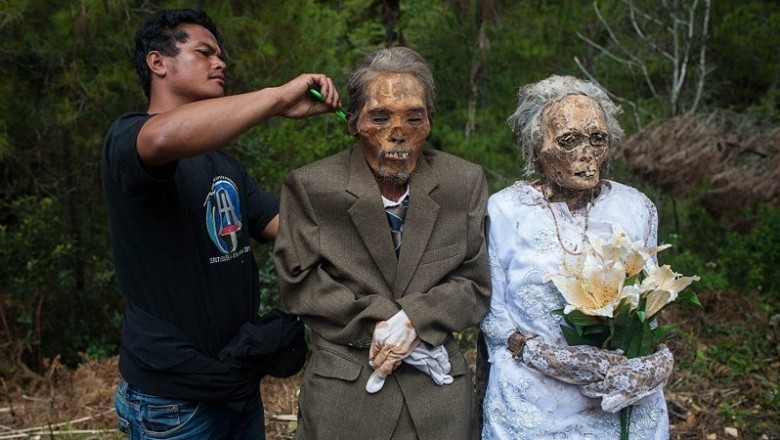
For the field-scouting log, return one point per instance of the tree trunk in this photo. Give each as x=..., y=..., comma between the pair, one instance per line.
x=485, y=14
x=391, y=14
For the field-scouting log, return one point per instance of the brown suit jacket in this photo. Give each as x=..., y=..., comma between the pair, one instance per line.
x=338, y=271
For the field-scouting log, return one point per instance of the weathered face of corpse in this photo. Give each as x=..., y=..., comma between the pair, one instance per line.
x=393, y=126
x=574, y=142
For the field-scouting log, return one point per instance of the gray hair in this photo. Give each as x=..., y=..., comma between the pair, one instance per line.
x=392, y=60
x=532, y=99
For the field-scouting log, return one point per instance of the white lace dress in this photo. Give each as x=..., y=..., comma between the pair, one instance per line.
x=522, y=403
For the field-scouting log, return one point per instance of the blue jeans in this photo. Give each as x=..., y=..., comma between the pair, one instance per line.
x=143, y=416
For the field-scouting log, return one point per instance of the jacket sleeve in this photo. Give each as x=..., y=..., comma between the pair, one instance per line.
x=327, y=306
x=463, y=297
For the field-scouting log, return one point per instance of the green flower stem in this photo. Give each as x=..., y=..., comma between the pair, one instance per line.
x=625, y=422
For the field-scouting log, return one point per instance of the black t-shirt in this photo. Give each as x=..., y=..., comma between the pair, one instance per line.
x=180, y=236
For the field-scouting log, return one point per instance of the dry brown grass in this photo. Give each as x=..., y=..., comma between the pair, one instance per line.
x=77, y=401
x=80, y=401
x=725, y=160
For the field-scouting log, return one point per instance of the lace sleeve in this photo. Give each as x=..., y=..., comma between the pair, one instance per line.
x=632, y=380
x=576, y=364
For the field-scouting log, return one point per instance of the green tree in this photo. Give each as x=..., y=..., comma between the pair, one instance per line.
x=64, y=61
x=68, y=74
x=747, y=58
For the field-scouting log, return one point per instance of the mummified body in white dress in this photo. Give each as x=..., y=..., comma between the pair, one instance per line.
x=524, y=246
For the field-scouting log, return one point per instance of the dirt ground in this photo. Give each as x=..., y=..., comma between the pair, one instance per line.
x=78, y=404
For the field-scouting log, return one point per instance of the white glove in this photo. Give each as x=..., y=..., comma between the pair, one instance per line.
x=434, y=362
x=392, y=342
x=631, y=380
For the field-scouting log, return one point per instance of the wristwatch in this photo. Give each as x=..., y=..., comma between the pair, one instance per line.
x=515, y=344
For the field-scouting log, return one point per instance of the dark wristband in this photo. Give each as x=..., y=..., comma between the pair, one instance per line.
x=515, y=344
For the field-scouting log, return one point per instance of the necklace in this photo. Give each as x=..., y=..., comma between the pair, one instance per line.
x=558, y=229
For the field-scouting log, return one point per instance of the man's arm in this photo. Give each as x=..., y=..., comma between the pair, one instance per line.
x=331, y=309
x=199, y=127
x=270, y=231
x=462, y=299
x=455, y=304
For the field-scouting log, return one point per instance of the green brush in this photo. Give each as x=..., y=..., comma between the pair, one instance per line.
x=321, y=98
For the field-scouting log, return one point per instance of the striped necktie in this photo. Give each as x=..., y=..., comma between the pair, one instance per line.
x=395, y=216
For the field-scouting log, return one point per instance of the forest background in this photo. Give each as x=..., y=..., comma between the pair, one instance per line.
x=698, y=81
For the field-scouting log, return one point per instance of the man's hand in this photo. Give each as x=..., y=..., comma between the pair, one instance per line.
x=392, y=342
x=296, y=101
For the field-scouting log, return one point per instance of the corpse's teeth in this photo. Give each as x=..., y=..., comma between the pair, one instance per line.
x=586, y=173
x=397, y=155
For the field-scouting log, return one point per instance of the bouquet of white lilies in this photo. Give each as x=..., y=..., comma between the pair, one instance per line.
x=613, y=291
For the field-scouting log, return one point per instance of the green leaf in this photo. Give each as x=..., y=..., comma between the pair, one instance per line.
x=687, y=298
x=639, y=339
x=620, y=324
x=577, y=318
x=646, y=345
x=662, y=333
x=631, y=333
x=590, y=335
x=595, y=330
x=572, y=336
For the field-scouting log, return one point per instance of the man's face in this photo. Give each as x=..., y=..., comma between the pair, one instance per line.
x=393, y=126
x=197, y=71
x=574, y=142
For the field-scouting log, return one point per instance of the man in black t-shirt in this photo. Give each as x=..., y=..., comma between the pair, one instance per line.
x=181, y=216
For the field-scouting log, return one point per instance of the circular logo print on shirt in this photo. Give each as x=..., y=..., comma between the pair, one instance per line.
x=223, y=214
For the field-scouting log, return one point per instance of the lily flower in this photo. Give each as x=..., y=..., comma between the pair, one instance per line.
x=595, y=290
x=633, y=254
x=631, y=293
x=662, y=286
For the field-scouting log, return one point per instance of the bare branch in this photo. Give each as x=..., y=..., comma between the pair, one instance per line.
x=671, y=35
x=702, y=56
x=636, y=109
x=46, y=429
x=604, y=50
x=632, y=10
x=644, y=15
x=634, y=60
x=611, y=34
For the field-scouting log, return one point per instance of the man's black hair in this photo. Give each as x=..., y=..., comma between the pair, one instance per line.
x=161, y=33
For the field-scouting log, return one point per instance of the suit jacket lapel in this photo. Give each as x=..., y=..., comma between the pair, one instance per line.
x=368, y=216
x=418, y=224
